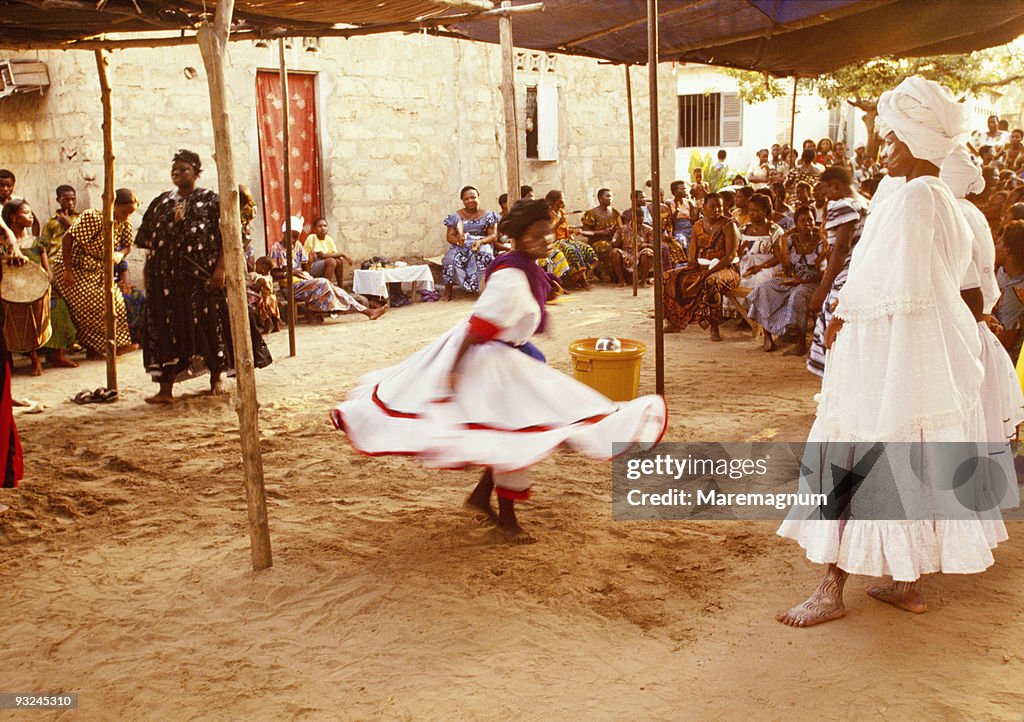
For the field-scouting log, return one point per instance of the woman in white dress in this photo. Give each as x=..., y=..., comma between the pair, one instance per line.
x=903, y=367
x=480, y=396
x=759, y=248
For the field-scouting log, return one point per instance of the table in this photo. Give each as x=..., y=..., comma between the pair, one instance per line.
x=375, y=283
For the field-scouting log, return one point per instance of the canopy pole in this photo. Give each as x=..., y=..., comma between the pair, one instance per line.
x=792, y=125
x=103, y=68
x=633, y=210
x=508, y=96
x=652, y=71
x=287, y=160
x=213, y=42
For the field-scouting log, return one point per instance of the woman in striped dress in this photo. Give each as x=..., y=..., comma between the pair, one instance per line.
x=844, y=221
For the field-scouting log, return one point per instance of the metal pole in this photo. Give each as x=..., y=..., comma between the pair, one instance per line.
x=289, y=285
x=633, y=210
x=652, y=71
x=508, y=96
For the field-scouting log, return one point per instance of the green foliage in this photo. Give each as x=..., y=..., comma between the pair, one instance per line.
x=716, y=180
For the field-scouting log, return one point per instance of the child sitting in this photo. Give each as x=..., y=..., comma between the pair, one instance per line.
x=263, y=302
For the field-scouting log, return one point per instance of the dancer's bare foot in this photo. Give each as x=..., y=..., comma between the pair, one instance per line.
x=448, y=293
x=515, y=534
x=37, y=364
x=508, y=526
x=376, y=313
x=905, y=595
x=479, y=500
x=672, y=328
x=217, y=388
x=824, y=605
x=769, y=342
x=715, y=335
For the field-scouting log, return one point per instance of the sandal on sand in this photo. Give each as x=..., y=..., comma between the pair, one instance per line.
x=84, y=397
x=104, y=395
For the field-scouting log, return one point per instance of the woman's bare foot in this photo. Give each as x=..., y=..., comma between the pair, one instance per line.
x=508, y=526
x=769, y=342
x=479, y=500
x=447, y=293
x=37, y=365
x=715, y=335
x=376, y=313
x=59, y=360
x=905, y=595
x=164, y=396
x=217, y=388
x=824, y=605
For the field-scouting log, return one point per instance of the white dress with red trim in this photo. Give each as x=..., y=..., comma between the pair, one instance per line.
x=508, y=410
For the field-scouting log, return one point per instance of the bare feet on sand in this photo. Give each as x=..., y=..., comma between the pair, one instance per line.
x=515, y=534
x=905, y=595
x=769, y=342
x=479, y=500
x=217, y=388
x=824, y=605
x=376, y=313
x=160, y=398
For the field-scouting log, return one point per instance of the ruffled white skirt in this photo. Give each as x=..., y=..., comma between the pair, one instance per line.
x=508, y=411
x=904, y=549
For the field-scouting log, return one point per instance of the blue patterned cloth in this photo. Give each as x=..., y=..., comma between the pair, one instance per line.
x=461, y=264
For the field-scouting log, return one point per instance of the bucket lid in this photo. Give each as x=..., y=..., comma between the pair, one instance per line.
x=586, y=346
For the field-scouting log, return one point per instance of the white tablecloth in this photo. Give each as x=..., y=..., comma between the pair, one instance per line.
x=374, y=283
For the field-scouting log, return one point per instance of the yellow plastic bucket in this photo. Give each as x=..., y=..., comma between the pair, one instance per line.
x=616, y=374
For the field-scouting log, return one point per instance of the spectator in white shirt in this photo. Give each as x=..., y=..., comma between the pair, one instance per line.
x=759, y=171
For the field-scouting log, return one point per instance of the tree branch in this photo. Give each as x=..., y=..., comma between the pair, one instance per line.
x=998, y=83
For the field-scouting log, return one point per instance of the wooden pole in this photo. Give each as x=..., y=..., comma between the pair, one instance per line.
x=103, y=67
x=652, y=71
x=633, y=210
x=792, y=125
x=286, y=119
x=508, y=96
x=213, y=44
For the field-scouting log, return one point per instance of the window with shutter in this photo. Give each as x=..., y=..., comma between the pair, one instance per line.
x=783, y=119
x=547, y=122
x=699, y=120
x=732, y=119
x=835, y=120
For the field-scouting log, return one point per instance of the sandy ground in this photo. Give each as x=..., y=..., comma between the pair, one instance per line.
x=125, y=572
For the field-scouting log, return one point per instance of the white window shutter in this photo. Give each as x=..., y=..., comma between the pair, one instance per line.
x=547, y=122
x=783, y=119
x=732, y=119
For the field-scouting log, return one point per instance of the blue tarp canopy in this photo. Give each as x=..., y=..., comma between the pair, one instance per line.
x=784, y=37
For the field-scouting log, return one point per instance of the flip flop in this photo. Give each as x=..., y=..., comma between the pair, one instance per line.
x=104, y=395
x=84, y=397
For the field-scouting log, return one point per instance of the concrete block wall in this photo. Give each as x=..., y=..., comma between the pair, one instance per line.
x=405, y=122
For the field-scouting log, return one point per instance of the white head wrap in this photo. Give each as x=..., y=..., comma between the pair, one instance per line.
x=925, y=116
x=296, y=223
x=961, y=173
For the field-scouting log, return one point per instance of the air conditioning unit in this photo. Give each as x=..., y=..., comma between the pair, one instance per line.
x=22, y=76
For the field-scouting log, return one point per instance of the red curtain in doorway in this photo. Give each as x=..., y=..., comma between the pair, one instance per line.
x=305, y=151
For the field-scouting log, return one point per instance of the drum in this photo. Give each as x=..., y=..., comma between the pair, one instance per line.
x=25, y=291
